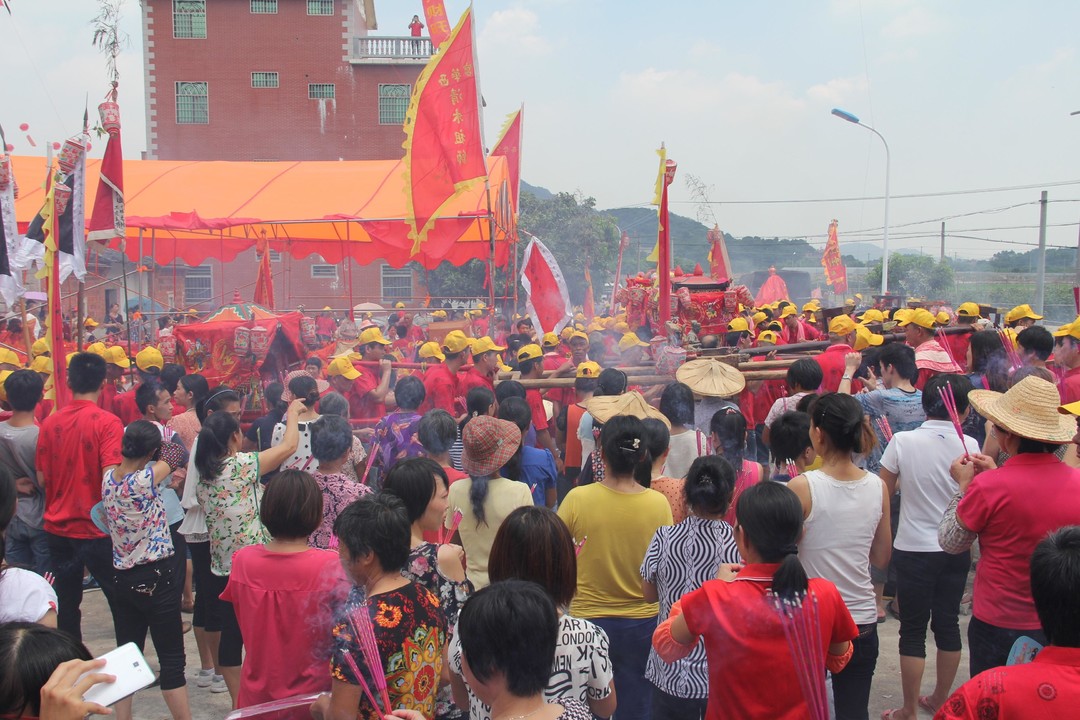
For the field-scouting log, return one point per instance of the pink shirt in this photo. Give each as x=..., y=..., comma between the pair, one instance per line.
x=1012, y=509
x=285, y=603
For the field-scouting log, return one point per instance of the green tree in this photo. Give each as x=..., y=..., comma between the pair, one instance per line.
x=914, y=276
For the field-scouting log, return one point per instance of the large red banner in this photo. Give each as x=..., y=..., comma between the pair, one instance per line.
x=438, y=25
x=444, y=149
x=835, y=272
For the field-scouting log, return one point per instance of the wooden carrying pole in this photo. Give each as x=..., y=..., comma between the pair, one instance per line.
x=751, y=376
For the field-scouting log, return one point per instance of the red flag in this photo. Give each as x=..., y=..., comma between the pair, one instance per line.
x=548, y=303
x=835, y=272
x=509, y=146
x=264, y=280
x=107, y=220
x=719, y=262
x=444, y=148
x=438, y=25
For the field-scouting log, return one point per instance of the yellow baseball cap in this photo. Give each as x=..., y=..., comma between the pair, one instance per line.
x=968, y=309
x=738, y=324
x=920, y=316
x=116, y=356
x=864, y=338
x=788, y=311
x=439, y=314
x=40, y=347
x=372, y=335
x=760, y=317
x=1070, y=330
x=872, y=315
x=486, y=344
x=1020, y=312
x=841, y=325
x=579, y=317
x=942, y=318
x=8, y=357
x=342, y=366
x=42, y=364
x=529, y=352
x=578, y=335
x=455, y=342
x=566, y=332
x=90, y=322
x=622, y=327
x=399, y=304
x=901, y=314
x=768, y=336
x=326, y=308
x=550, y=340
x=811, y=306
x=97, y=348
x=431, y=350
x=588, y=369
x=630, y=340
x=149, y=358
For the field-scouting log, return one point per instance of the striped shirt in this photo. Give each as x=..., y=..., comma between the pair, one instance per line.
x=680, y=559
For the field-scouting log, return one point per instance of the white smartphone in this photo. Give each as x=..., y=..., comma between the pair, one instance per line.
x=132, y=674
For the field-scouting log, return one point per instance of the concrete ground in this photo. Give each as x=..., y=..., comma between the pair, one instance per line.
x=98, y=636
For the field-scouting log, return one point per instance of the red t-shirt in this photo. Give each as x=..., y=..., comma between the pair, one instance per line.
x=272, y=590
x=539, y=414
x=107, y=396
x=325, y=326
x=471, y=379
x=1043, y=689
x=1012, y=509
x=1070, y=386
x=442, y=389
x=958, y=346
x=74, y=446
x=124, y=407
x=360, y=403
x=832, y=363
x=744, y=666
x=416, y=28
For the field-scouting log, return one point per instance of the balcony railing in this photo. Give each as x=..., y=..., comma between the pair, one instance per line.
x=391, y=50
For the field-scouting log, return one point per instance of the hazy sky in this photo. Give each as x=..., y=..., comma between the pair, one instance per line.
x=969, y=94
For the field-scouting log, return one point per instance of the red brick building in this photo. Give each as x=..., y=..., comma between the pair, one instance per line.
x=278, y=80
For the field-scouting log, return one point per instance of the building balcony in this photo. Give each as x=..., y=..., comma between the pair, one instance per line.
x=390, y=51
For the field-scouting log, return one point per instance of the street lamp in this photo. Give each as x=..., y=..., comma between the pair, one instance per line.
x=844, y=115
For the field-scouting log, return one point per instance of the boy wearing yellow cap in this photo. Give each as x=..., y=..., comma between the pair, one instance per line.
x=930, y=357
x=631, y=350
x=1067, y=357
x=485, y=358
x=842, y=338
x=441, y=384
x=1021, y=316
x=148, y=363
x=531, y=364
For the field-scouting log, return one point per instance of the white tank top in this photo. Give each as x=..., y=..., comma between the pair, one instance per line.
x=837, y=535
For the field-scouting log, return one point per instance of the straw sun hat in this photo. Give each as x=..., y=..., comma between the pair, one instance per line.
x=1029, y=409
x=632, y=404
x=710, y=378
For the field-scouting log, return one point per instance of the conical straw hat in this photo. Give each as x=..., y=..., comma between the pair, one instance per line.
x=1029, y=409
x=710, y=378
x=631, y=404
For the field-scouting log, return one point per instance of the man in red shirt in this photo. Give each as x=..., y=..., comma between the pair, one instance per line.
x=149, y=363
x=485, y=357
x=360, y=389
x=76, y=446
x=842, y=337
x=1067, y=357
x=531, y=364
x=930, y=357
x=794, y=331
x=441, y=385
x=116, y=362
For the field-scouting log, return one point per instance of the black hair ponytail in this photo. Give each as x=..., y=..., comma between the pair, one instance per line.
x=214, y=444
x=656, y=440
x=622, y=440
x=771, y=516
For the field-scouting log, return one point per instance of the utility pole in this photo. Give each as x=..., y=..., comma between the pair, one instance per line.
x=1040, y=278
x=942, y=258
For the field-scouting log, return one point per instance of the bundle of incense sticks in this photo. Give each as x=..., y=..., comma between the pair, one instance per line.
x=943, y=341
x=882, y=423
x=365, y=636
x=580, y=545
x=949, y=400
x=445, y=535
x=792, y=469
x=370, y=461
x=351, y=662
x=1015, y=361
x=799, y=618
x=333, y=544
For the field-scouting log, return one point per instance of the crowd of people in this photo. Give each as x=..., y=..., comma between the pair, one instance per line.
x=460, y=515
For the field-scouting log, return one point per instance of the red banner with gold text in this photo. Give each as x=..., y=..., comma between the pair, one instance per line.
x=444, y=149
x=438, y=25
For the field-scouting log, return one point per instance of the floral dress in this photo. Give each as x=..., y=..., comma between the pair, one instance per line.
x=338, y=493
x=231, y=501
x=410, y=633
x=423, y=568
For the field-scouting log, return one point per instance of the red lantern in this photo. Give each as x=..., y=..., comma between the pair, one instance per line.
x=669, y=172
x=260, y=342
x=110, y=116
x=167, y=346
x=63, y=197
x=70, y=153
x=241, y=340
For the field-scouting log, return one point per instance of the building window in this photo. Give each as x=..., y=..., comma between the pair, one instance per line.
x=321, y=91
x=396, y=283
x=264, y=79
x=324, y=272
x=393, y=103
x=275, y=256
x=198, y=284
x=192, y=103
x=263, y=7
x=189, y=19
x=320, y=7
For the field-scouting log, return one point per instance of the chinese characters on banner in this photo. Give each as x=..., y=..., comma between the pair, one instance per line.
x=444, y=150
x=509, y=146
x=438, y=25
x=835, y=272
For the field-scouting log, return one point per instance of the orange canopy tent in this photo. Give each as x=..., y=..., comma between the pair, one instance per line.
x=200, y=210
